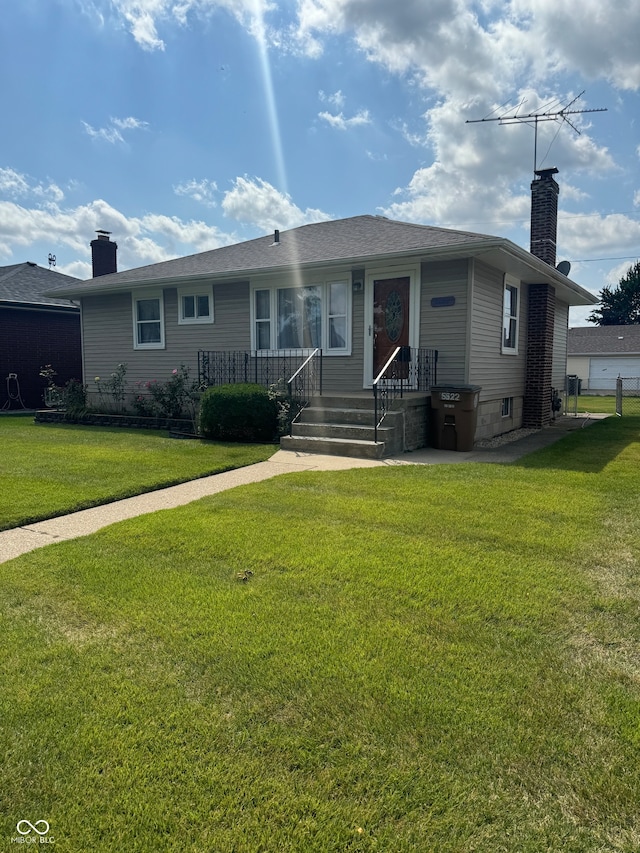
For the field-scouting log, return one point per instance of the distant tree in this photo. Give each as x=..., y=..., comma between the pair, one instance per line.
x=620, y=306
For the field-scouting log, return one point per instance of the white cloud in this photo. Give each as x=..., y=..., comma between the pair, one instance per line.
x=592, y=236
x=143, y=17
x=341, y=122
x=13, y=183
x=258, y=203
x=336, y=100
x=445, y=42
x=203, y=191
x=141, y=240
x=614, y=275
x=476, y=178
x=113, y=132
x=597, y=40
x=16, y=185
x=469, y=64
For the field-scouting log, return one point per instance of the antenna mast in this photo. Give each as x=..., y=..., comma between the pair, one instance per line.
x=550, y=114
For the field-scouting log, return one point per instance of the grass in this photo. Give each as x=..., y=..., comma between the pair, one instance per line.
x=594, y=403
x=435, y=658
x=48, y=470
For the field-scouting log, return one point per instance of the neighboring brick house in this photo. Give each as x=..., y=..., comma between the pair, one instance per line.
x=597, y=355
x=35, y=330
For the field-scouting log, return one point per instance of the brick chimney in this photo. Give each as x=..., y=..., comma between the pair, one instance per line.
x=536, y=411
x=544, y=215
x=103, y=254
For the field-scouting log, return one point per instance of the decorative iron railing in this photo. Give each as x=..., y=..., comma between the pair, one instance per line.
x=230, y=367
x=293, y=373
x=407, y=369
x=303, y=385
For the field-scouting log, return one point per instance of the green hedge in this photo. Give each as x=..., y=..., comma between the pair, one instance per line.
x=242, y=412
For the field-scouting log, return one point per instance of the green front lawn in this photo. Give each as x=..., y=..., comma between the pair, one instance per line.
x=435, y=658
x=48, y=470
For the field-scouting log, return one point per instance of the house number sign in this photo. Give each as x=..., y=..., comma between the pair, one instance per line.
x=449, y=395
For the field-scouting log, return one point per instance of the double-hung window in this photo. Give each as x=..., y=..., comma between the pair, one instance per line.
x=337, y=315
x=148, y=321
x=304, y=317
x=195, y=305
x=510, y=316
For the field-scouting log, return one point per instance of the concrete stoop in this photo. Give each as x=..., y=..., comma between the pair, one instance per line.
x=344, y=426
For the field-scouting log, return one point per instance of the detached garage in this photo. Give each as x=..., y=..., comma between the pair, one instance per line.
x=599, y=354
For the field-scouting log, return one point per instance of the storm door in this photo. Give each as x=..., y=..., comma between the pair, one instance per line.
x=390, y=319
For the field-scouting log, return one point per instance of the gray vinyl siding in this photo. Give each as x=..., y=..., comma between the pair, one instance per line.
x=500, y=375
x=445, y=328
x=108, y=338
x=108, y=334
x=560, y=335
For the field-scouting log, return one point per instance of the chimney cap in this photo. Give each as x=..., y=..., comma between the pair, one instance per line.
x=102, y=235
x=546, y=174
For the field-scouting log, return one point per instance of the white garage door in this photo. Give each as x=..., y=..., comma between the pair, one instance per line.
x=603, y=372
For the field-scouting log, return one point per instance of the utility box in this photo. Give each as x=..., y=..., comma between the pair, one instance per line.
x=455, y=410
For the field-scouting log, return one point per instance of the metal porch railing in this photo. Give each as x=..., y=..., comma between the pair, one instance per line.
x=303, y=385
x=407, y=369
x=296, y=373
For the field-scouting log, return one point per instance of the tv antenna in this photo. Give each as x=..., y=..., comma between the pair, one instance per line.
x=550, y=112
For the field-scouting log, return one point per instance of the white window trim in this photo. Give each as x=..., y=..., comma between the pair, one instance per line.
x=509, y=413
x=135, y=298
x=206, y=290
x=273, y=287
x=510, y=282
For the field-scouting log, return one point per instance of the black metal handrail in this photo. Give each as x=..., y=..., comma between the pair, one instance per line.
x=381, y=390
x=303, y=384
x=408, y=368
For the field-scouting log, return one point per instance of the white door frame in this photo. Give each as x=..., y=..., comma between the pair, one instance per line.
x=413, y=274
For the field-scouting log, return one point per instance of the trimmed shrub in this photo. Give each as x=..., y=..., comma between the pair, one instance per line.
x=243, y=412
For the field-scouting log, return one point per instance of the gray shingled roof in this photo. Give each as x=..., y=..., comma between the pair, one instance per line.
x=321, y=242
x=24, y=284
x=604, y=340
x=356, y=241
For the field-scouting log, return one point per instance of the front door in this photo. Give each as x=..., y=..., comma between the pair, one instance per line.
x=390, y=318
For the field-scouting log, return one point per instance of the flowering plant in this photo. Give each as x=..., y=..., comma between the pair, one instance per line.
x=175, y=398
x=114, y=387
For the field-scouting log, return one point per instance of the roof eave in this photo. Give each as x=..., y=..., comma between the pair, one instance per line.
x=38, y=306
x=542, y=273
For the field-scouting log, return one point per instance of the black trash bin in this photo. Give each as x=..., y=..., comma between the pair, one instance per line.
x=455, y=408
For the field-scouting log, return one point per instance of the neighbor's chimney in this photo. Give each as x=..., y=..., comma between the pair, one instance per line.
x=103, y=254
x=544, y=215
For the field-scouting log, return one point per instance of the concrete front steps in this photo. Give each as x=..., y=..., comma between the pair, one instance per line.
x=344, y=426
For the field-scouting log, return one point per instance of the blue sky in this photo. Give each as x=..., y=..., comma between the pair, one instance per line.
x=183, y=125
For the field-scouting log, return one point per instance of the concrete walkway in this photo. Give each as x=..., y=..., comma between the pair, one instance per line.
x=20, y=540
